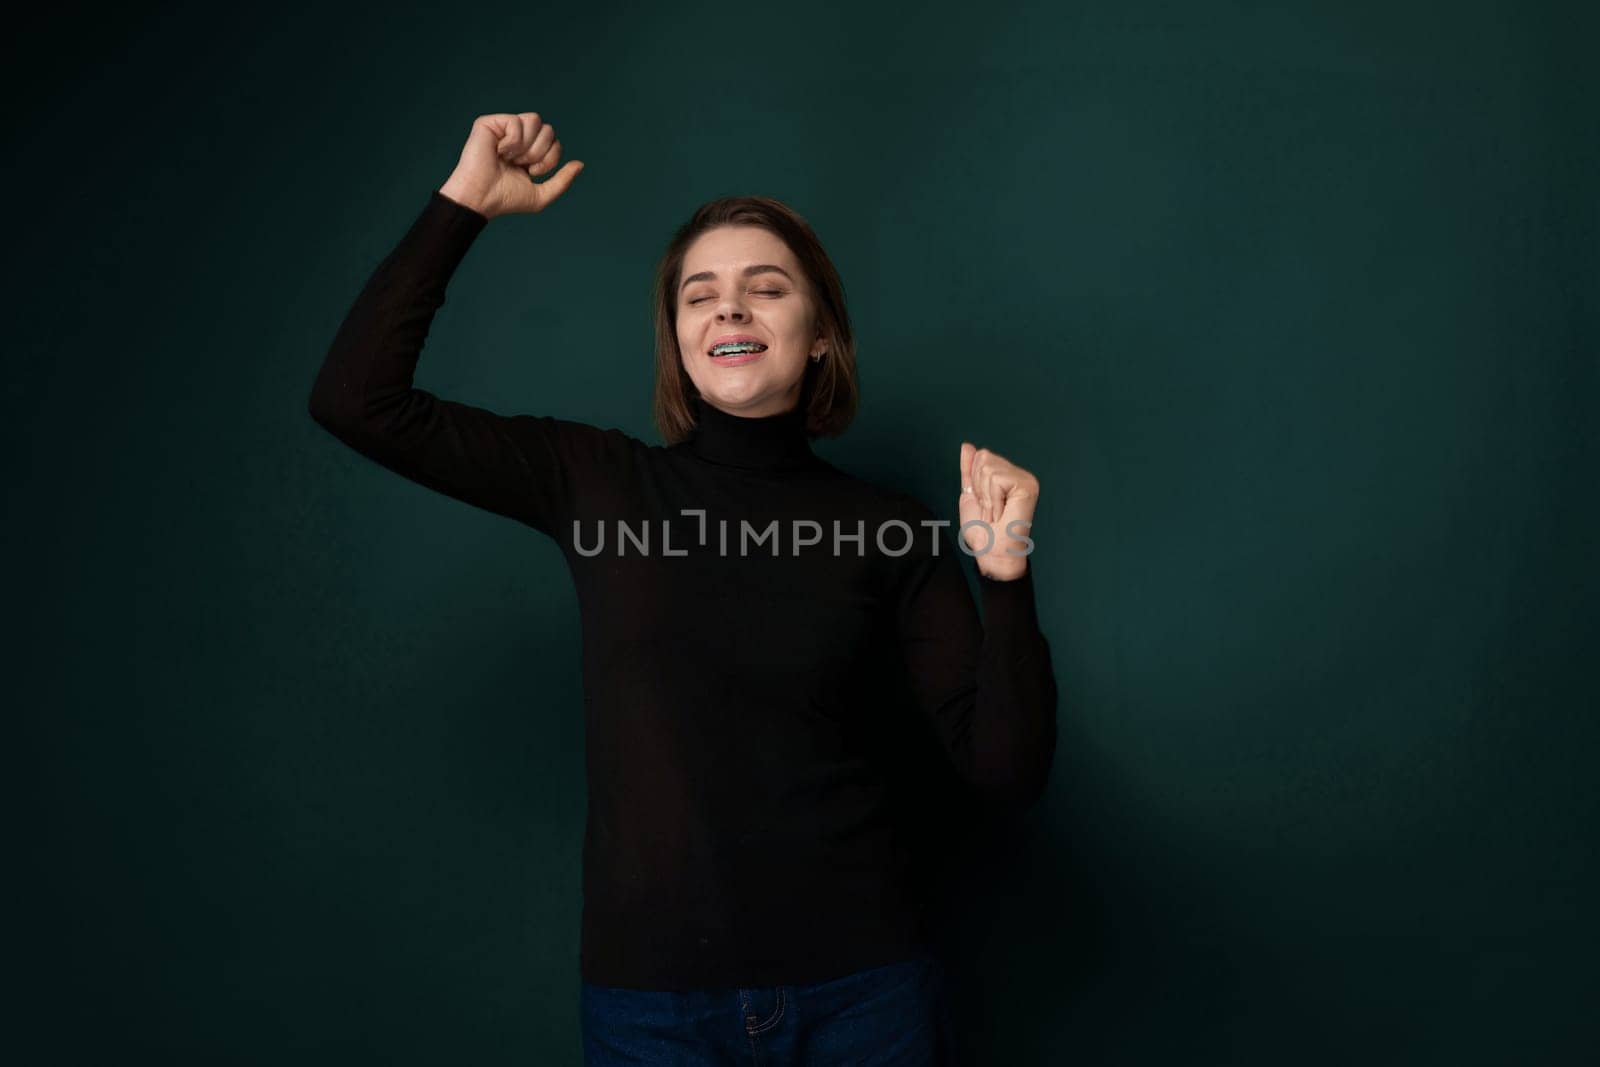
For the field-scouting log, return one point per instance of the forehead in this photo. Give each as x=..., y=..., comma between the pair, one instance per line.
x=728, y=248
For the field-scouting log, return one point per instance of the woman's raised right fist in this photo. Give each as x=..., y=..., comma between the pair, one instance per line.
x=502, y=155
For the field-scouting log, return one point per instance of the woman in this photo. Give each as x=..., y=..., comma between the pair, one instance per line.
x=752, y=617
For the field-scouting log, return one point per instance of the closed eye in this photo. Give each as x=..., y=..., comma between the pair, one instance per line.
x=774, y=292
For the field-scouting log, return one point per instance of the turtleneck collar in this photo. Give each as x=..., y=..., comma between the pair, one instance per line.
x=769, y=442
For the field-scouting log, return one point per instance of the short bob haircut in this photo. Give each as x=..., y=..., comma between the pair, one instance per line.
x=829, y=391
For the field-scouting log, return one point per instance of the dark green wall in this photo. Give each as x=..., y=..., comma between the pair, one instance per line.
x=1291, y=307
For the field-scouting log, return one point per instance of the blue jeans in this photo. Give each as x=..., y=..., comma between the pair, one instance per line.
x=882, y=1016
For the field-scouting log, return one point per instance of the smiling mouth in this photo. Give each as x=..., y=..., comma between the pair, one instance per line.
x=736, y=348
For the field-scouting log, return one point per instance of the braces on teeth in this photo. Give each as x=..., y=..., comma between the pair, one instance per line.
x=736, y=347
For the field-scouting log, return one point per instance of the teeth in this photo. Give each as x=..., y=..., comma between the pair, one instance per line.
x=733, y=347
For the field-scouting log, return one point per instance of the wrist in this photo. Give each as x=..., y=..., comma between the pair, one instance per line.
x=1003, y=572
x=458, y=191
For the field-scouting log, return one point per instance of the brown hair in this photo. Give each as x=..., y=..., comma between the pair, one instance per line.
x=829, y=392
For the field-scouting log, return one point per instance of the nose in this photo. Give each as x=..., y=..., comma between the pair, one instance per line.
x=732, y=307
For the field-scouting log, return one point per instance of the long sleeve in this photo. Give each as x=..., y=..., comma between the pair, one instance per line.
x=524, y=467
x=988, y=687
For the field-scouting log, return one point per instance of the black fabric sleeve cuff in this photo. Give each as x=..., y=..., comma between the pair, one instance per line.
x=1009, y=605
x=445, y=230
x=438, y=197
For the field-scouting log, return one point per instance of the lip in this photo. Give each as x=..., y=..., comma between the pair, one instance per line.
x=736, y=361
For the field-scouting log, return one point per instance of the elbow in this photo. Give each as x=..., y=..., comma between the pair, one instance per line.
x=1018, y=782
x=348, y=410
x=344, y=425
x=329, y=416
x=323, y=402
x=319, y=410
x=1020, y=792
x=1033, y=778
x=336, y=398
x=332, y=407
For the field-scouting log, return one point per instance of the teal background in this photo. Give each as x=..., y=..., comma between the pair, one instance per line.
x=1291, y=307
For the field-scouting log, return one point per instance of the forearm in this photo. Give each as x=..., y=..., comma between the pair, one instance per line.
x=1014, y=728
x=365, y=382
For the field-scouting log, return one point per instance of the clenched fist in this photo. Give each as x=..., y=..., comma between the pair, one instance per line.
x=502, y=156
x=998, y=492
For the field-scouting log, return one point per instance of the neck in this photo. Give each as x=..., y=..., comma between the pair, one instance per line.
x=765, y=442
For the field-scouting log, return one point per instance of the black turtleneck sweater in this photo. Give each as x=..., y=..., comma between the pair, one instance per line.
x=741, y=678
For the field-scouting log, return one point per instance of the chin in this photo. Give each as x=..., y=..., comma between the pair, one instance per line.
x=734, y=400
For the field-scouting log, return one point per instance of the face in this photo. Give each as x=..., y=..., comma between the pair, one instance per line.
x=744, y=280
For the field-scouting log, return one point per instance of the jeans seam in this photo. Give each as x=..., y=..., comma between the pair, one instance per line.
x=773, y=1021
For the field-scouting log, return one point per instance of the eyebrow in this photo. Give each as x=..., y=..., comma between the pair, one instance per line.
x=759, y=268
